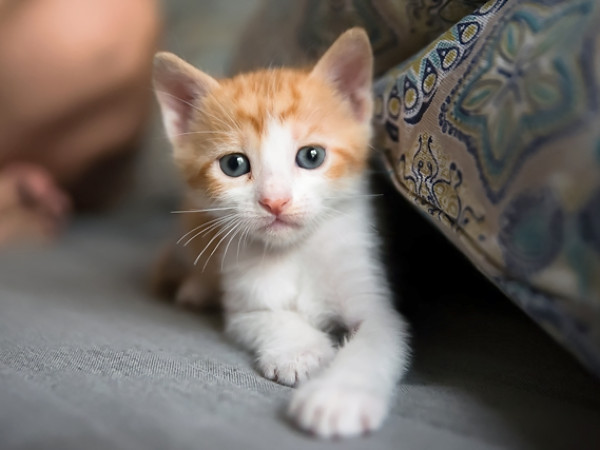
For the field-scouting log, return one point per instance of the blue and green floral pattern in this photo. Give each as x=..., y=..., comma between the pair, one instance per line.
x=493, y=130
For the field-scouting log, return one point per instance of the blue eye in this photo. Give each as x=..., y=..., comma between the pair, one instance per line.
x=234, y=165
x=310, y=157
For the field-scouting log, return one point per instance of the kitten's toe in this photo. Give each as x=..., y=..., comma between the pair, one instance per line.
x=293, y=367
x=331, y=410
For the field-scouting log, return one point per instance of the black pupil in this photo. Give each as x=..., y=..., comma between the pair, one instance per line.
x=312, y=155
x=235, y=162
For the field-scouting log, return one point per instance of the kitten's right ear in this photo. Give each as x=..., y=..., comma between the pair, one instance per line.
x=179, y=87
x=348, y=66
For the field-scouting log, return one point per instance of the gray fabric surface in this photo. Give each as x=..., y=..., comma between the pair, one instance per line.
x=88, y=359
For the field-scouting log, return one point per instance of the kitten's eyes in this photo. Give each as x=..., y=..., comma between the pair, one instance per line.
x=234, y=165
x=310, y=157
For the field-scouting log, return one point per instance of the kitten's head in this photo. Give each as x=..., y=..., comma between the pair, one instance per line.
x=279, y=150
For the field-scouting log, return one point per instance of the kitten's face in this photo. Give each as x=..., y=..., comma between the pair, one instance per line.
x=276, y=151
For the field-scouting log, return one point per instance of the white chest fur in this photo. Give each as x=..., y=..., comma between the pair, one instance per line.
x=312, y=278
x=279, y=302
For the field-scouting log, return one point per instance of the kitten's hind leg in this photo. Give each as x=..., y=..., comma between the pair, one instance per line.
x=168, y=272
x=175, y=278
x=288, y=349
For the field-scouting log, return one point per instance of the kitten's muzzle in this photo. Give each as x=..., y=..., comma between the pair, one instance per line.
x=276, y=205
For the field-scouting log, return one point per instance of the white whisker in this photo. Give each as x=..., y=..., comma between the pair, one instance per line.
x=204, y=224
x=201, y=210
x=221, y=223
x=236, y=229
x=188, y=233
x=332, y=210
x=231, y=229
x=216, y=236
x=243, y=240
x=354, y=196
x=211, y=225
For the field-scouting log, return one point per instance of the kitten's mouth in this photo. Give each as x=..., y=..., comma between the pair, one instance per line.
x=280, y=223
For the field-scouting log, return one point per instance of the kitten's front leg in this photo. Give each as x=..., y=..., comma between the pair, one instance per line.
x=353, y=395
x=288, y=349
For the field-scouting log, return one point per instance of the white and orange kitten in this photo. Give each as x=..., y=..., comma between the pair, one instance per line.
x=281, y=227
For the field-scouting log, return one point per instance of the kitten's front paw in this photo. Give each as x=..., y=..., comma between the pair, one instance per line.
x=294, y=366
x=329, y=409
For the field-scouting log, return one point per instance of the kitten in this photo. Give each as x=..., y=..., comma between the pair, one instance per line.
x=282, y=230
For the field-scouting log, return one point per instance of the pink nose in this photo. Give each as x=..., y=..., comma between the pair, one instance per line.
x=274, y=205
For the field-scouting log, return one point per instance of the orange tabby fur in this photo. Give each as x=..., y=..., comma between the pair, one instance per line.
x=278, y=158
x=233, y=117
x=239, y=108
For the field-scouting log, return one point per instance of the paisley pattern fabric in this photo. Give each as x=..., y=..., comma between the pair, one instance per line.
x=493, y=131
x=306, y=28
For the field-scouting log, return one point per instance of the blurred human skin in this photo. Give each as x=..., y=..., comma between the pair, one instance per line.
x=74, y=98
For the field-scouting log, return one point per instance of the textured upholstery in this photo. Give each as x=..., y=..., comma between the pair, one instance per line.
x=88, y=359
x=492, y=131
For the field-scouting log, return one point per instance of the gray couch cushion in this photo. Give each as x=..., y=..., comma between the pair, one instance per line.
x=88, y=359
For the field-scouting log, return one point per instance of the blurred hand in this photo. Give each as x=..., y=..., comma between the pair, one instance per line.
x=75, y=88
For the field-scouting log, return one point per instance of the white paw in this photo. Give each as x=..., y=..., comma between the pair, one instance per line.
x=330, y=410
x=294, y=366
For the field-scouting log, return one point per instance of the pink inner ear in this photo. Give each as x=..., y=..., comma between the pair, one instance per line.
x=348, y=64
x=360, y=102
x=179, y=87
x=351, y=76
x=177, y=94
x=352, y=71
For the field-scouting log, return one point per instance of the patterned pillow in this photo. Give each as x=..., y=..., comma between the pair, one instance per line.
x=493, y=131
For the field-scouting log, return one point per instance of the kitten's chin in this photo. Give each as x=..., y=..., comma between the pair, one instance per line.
x=281, y=232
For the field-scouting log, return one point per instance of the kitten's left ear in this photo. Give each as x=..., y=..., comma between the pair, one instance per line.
x=180, y=89
x=348, y=66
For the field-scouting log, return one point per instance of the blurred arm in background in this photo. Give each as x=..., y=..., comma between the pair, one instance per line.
x=74, y=97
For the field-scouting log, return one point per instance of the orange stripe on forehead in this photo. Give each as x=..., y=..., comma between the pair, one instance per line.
x=289, y=112
x=289, y=100
x=255, y=119
x=259, y=95
x=245, y=104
